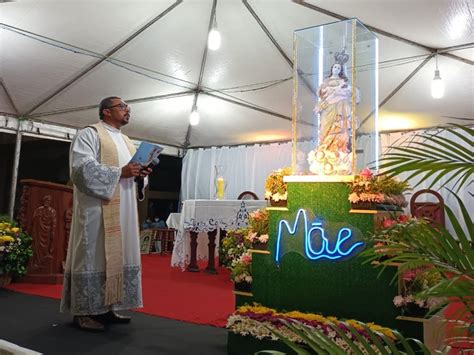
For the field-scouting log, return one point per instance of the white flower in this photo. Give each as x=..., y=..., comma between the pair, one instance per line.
x=248, y=279
x=398, y=301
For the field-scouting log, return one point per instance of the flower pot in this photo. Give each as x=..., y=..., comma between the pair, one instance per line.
x=243, y=286
x=259, y=246
x=5, y=279
x=411, y=309
x=363, y=206
x=280, y=203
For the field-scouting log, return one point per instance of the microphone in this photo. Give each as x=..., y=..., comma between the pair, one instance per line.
x=140, y=180
x=153, y=162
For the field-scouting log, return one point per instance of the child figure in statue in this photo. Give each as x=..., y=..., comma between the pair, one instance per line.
x=333, y=156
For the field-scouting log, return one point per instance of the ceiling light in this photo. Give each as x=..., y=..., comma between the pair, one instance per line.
x=437, y=85
x=194, y=117
x=214, y=38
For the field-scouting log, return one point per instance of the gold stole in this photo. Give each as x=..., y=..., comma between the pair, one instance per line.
x=111, y=220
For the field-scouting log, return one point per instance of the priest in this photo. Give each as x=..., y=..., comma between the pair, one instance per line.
x=103, y=271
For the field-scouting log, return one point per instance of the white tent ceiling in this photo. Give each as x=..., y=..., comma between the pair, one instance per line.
x=59, y=58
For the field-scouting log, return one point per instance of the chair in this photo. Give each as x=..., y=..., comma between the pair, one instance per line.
x=433, y=211
x=165, y=237
x=247, y=195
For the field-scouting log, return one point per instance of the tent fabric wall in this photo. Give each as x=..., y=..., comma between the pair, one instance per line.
x=246, y=168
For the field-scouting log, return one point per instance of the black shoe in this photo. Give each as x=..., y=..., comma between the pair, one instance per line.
x=113, y=317
x=88, y=323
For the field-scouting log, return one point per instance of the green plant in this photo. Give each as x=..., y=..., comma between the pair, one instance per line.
x=15, y=248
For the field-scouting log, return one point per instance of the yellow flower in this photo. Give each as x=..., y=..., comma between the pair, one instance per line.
x=7, y=238
x=15, y=229
x=385, y=331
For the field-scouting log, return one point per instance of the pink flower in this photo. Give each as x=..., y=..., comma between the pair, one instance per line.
x=399, y=301
x=354, y=198
x=366, y=174
x=409, y=275
x=387, y=223
x=403, y=218
x=246, y=259
x=252, y=236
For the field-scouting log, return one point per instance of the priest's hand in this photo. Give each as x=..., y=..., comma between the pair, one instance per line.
x=145, y=171
x=131, y=170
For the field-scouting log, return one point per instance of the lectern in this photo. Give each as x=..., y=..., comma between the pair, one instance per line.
x=46, y=214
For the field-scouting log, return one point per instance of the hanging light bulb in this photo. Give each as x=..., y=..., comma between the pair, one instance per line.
x=437, y=85
x=194, y=117
x=214, y=38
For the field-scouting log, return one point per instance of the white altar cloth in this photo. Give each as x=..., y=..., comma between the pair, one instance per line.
x=205, y=216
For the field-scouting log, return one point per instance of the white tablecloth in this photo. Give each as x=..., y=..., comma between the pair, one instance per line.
x=205, y=216
x=173, y=220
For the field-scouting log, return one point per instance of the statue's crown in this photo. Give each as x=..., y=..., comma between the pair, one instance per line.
x=341, y=57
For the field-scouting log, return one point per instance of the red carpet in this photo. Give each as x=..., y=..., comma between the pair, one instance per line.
x=168, y=292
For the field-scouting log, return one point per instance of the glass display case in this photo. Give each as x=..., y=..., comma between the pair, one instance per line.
x=335, y=101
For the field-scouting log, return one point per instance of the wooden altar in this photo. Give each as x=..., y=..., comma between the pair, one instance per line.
x=46, y=214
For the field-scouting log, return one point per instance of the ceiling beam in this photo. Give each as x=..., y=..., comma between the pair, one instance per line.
x=256, y=108
x=9, y=97
x=201, y=72
x=379, y=31
x=130, y=101
x=276, y=44
x=267, y=32
x=242, y=144
x=101, y=60
x=394, y=91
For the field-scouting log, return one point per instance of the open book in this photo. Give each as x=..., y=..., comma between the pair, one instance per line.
x=147, y=154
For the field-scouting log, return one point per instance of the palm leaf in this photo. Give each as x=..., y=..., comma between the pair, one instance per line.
x=324, y=344
x=440, y=156
x=295, y=347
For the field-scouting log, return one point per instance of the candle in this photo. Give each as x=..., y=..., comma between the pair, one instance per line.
x=220, y=188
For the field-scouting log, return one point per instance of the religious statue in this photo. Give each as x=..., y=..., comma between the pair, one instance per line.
x=43, y=230
x=333, y=156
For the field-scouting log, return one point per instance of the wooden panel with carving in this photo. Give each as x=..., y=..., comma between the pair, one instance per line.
x=46, y=213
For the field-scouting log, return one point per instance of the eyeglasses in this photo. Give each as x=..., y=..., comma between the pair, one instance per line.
x=123, y=106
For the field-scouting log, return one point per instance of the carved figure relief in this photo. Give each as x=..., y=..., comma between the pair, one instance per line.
x=43, y=230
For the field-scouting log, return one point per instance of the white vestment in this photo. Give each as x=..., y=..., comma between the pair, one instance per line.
x=84, y=276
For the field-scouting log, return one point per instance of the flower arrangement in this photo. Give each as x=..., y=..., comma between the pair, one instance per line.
x=372, y=189
x=257, y=321
x=414, y=282
x=233, y=246
x=258, y=228
x=234, y=251
x=15, y=248
x=241, y=269
x=275, y=187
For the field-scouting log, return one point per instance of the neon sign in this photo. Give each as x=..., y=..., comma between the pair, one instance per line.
x=339, y=250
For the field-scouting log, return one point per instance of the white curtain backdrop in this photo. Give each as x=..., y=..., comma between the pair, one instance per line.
x=246, y=168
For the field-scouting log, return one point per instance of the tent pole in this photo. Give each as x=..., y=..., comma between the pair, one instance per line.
x=16, y=163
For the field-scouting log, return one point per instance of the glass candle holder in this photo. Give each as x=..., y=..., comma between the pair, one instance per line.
x=220, y=182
